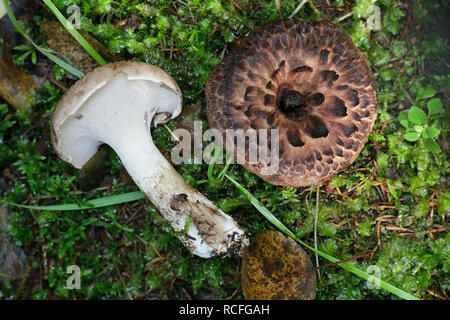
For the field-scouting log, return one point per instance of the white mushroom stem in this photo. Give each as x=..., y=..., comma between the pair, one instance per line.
x=119, y=113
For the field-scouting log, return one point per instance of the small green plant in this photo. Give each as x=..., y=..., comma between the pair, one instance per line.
x=26, y=51
x=417, y=123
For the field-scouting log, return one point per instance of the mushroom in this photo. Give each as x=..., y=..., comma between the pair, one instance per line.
x=115, y=104
x=308, y=80
x=277, y=268
x=2, y=9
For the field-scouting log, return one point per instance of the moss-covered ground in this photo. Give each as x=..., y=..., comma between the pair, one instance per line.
x=393, y=202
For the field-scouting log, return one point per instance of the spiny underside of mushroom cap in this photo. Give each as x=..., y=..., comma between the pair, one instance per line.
x=308, y=80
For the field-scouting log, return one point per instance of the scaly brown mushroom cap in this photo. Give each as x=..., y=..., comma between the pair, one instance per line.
x=308, y=80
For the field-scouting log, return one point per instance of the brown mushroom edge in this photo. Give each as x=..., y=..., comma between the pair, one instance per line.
x=277, y=268
x=308, y=80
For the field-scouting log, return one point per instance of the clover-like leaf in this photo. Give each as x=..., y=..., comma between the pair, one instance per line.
x=434, y=106
x=417, y=116
x=411, y=136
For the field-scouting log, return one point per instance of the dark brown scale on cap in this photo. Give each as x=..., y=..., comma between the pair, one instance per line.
x=308, y=80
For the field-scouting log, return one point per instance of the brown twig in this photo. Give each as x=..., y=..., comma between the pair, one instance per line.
x=434, y=294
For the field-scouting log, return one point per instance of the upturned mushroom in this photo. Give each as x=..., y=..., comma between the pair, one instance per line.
x=308, y=80
x=277, y=268
x=115, y=104
x=2, y=9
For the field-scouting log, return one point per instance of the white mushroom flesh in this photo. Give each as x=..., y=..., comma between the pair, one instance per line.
x=119, y=114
